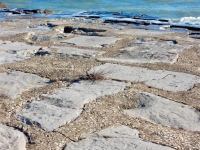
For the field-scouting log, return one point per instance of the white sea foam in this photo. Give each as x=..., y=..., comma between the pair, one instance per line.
x=190, y=20
x=187, y=20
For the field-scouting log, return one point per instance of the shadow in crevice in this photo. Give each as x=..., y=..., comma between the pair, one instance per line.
x=69, y=29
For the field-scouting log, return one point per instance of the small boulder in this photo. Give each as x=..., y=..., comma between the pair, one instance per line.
x=2, y=5
x=46, y=11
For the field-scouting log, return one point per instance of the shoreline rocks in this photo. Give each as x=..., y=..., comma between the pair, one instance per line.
x=3, y=6
x=24, y=10
x=46, y=11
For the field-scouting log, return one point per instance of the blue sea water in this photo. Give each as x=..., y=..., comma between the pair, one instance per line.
x=176, y=10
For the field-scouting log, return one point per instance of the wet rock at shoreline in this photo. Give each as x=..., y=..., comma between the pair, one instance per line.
x=21, y=10
x=25, y=11
x=2, y=6
x=46, y=11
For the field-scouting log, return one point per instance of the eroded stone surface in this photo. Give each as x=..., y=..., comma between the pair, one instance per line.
x=149, y=52
x=140, y=32
x=48, y=37
x=15, y=51
x=119, y=137
x=75, y=52
x=14, y=83
x=104, y=111
x=147, y=45
x=10, y=58
x=94, y=41
x=11, y=139
x=165, y=112
x=166, y=80
x=6, y=32
x=143, y=57
x=18, y=48
x=64, y=105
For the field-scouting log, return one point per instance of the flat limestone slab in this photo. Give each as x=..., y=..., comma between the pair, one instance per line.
x=147, y=45
x=19, y=48
x=166, y=80
x=140, y=32
x=165, y=112
x=189, y=39
x=64, y=105
x=93, y=41
x=6, y=32
x=16, y=82
x=75, y=52
x=9, y=58
x=16, y=51
x=143, y=57
x=11, y=139
x=48, y=37
x=115, y=138
x=149, y=52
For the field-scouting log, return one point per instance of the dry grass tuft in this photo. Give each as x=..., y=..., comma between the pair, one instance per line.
x=95, y=75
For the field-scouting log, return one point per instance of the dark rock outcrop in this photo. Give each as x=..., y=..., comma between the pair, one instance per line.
x=23, y=11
